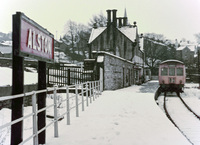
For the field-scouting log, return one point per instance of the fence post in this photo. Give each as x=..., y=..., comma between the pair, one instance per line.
x=93, y=91
x=98, y=84
x=55, y=113
x=67, y=105
x=35, y=129
x=82, y=97
x=87, y=93
x=48, y=76
x=99, y=87
x=90, y=92
x=77, y=111
x=68, y=76
x=95, y=88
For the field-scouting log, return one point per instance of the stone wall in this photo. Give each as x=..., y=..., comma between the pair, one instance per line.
x=118, y=72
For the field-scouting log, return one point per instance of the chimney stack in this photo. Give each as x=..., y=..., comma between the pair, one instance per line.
x=114, y=17
x=108, y=17
x=120, y=22
x=125, y=21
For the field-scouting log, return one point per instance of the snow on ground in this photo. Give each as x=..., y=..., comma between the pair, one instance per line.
x=191, y=96
x=5, y=117
x=121, y=117
x=6, y=77
x=185, y=120
x=126, y=116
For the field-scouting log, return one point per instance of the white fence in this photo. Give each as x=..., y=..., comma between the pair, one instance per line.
x=88, y=91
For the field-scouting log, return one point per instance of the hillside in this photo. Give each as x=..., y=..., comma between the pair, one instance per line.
x=5, y=37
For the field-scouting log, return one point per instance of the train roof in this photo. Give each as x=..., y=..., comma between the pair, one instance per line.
x=172, y=60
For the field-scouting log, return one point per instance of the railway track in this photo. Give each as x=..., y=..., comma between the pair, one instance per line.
x=182, y=116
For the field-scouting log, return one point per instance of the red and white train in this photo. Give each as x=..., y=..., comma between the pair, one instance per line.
x=172, y=76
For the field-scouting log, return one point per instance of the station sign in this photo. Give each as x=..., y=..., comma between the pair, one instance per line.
x=34, y=41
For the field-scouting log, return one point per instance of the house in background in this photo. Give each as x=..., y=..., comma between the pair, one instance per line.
x=118, y=38
x=186, y=52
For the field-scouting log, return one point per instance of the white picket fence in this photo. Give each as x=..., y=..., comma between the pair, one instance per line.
x=91, y=90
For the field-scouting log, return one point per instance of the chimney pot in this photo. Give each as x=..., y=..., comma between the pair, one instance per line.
x=95, y=25
x=108, y=17
x=134, y=24
x=114, y=11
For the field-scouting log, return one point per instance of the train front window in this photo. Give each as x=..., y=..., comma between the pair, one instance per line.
x=179, y=71
x=172, y=71
x=164, y=71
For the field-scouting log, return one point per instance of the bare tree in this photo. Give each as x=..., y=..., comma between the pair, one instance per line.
x=83, y=34
x=197, y=36
x=155, y=50
x=99, y=19
x=71, y=31
x=77, y=36
x=156, y=37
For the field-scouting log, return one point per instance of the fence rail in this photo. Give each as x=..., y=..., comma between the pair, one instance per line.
x=88, y=92
x=62, y=75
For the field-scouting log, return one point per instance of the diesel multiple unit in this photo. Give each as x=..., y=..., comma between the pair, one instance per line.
x=172, y=76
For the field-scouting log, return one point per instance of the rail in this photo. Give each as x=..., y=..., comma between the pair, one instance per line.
x=170, y=118
x=88, y=92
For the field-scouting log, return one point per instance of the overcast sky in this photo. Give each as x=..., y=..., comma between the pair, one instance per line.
x=175, y=19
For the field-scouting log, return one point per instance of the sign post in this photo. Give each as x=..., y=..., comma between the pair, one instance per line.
x=41, y=100
x=17, y=85
x=29, y=40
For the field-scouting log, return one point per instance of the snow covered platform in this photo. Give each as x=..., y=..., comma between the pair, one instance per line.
x=127, y=116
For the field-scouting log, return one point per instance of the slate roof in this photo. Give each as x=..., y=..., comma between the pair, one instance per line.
x=191, y=47
x=181, y=47
x=129, y=32
x=95, y=33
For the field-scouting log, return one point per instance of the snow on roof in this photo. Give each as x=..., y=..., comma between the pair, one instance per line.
x=181, y=47
x=155, y=42
x=141, y=44
x=172, y=60
x=7, y=43
x=191, y=47
x=95, y=33
x=130, y=32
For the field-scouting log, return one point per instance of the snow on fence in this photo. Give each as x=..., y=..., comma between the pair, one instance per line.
x=87, y=91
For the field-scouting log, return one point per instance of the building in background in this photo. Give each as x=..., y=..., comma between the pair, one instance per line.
x=120, y=39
